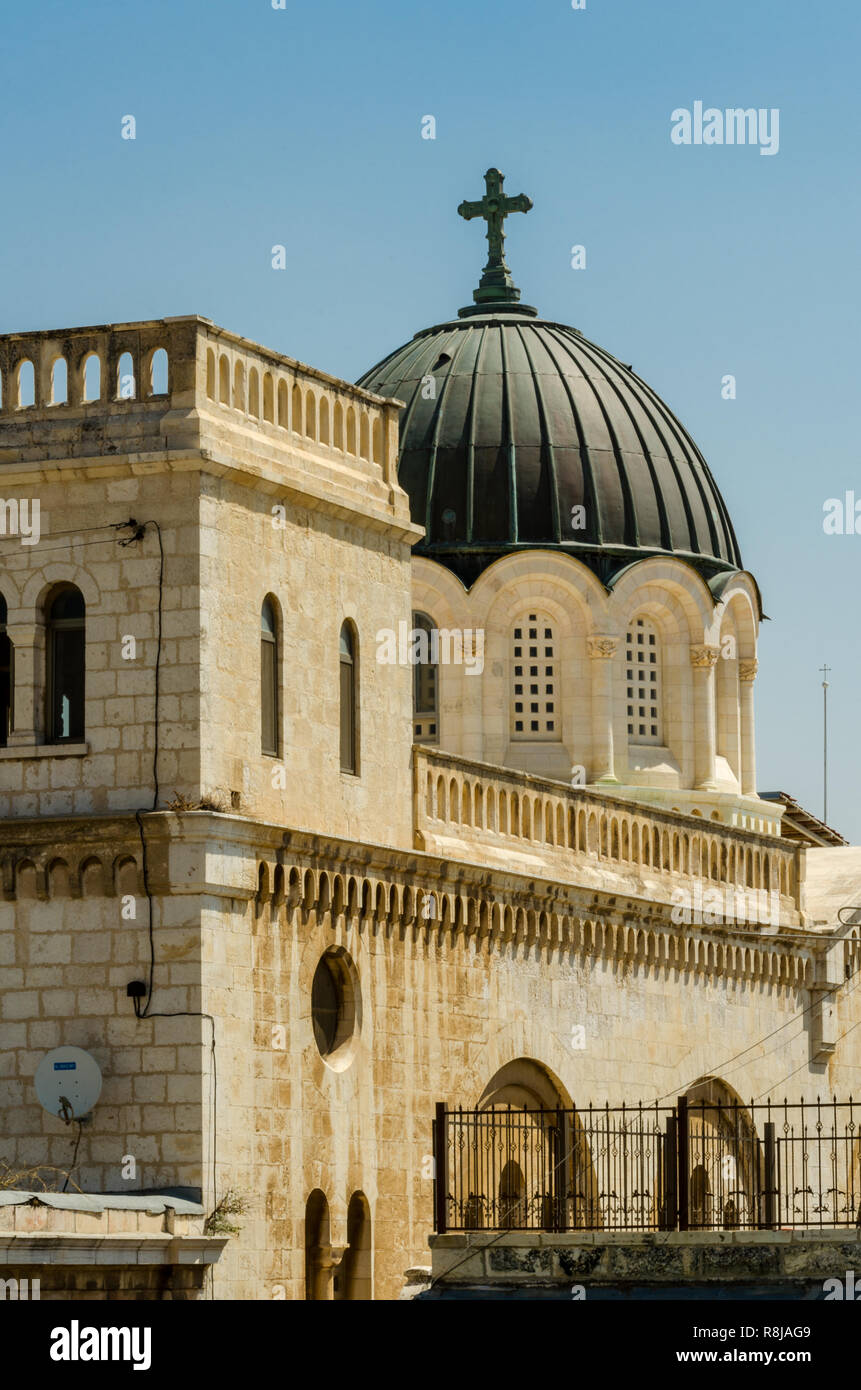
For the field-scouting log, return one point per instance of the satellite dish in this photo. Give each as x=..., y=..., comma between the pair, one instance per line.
x=68, y=1083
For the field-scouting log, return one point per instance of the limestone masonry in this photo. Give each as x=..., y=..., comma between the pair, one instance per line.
x=419, y=891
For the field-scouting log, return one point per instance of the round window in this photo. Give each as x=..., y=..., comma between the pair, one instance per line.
x=335, y=1009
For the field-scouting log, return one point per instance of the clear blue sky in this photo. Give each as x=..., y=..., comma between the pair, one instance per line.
x=258, y=126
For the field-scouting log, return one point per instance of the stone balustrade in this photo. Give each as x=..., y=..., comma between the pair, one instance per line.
x=114, y=372
x=543, y=823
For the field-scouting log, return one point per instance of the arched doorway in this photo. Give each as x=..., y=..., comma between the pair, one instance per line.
x=512, y=1187
x=529, y=1162
x=700, y=1197
x=725, y=1162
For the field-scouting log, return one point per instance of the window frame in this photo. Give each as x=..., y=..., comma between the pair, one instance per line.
x=54, y=630
x=533, y=663
x=653, y=702
x=425, y=717
x=270, y=652
x=348, y=662
x=7, y=724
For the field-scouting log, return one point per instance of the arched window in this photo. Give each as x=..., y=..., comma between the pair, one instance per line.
x=643, y=683
x=7, y=683
x=269, y=679
x=126, y=378
x=349, y=711
x=65, y=652
x=425, y=680
x=158, y=373
x=26, y=384
x=92, y=377
x=59, y=382
x=534, y=683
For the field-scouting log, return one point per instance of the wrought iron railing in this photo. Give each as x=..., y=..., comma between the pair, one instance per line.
x=696, y=1165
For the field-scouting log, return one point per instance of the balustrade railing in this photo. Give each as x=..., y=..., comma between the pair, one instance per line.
x=458, y=798
x=697, y=1165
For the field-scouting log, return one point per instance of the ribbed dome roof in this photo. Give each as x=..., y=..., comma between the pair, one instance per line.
x=527, y=420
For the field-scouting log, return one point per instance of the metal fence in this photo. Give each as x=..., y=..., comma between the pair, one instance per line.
x=696, y=1165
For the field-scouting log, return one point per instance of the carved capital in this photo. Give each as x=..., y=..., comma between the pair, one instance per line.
x=602, y=648
x=747, y=669
x=703, y=656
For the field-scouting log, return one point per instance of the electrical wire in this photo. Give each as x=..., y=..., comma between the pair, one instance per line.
x=804, y=1064
x=74, y=531
x=141, y=1013
x=74, y=1155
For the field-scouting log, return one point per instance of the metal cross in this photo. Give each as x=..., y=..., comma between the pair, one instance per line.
x=494, y=207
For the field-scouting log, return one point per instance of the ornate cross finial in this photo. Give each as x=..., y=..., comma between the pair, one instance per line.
x=496, y=283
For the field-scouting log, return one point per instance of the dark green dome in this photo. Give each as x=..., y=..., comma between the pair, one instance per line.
x=525, y=419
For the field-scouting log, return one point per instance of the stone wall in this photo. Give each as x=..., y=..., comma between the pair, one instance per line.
x=458, y=971
x=705, y=1264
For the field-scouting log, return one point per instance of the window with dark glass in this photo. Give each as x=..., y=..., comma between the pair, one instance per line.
x=426, y=683
x=66, y=662
x=325, y=1006
x=7, y=682
x=349, y=740
x=268, y=679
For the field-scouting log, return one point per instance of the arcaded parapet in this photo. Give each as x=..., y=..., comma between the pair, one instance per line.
x=176, y=481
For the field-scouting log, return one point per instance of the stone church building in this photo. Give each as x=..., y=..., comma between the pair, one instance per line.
x=387, y=740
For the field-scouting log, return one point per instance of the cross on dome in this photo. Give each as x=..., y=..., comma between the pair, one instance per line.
x=496, y=284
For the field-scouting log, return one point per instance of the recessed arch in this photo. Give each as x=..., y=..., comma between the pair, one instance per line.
x=355, y=1283
x=239, y=384
x=318, y=1273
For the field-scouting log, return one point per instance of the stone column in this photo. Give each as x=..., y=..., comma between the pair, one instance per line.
x=28, y=642
x=602, y=650
x=703, y=660
x=325, y=1260
x=746, y=675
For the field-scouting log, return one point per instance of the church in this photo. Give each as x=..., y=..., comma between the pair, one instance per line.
x=377, y=763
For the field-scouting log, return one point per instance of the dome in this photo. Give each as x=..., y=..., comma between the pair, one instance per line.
x=518, y=433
